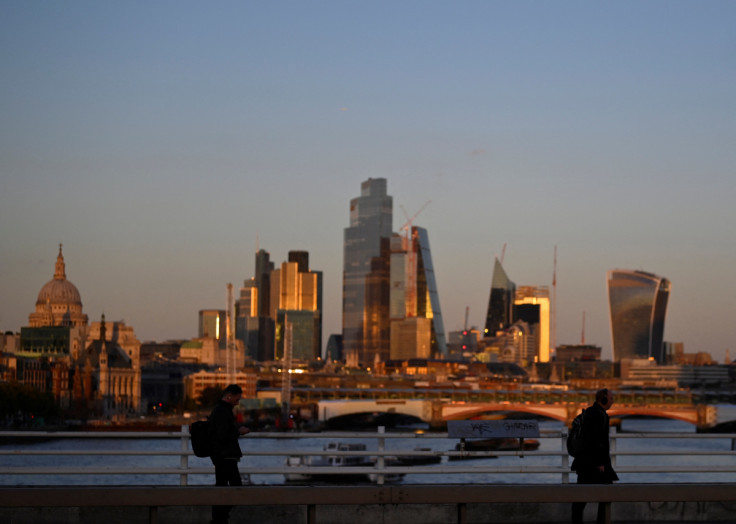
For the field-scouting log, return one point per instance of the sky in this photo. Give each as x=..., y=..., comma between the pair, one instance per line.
x=163, y=143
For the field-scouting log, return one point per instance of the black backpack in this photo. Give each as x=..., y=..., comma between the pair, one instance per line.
x=575, y=436
x=199, y=433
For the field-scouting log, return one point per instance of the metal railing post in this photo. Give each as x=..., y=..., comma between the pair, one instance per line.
x=153, y=515
x=565, y=458
x=381, y=463
x=612, y=439
x=184, y=458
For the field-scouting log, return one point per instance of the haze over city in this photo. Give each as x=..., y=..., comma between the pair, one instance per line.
x=163, y=143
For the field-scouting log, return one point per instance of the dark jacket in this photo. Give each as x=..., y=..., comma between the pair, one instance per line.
x=595, y=451
x=225, y=433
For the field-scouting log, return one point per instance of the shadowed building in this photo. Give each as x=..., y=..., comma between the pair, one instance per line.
x=366, y=275
x=501, y=302
x=638, y=304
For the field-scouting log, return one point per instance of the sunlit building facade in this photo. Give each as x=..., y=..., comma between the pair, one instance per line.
x=90, y=369
x=366, y=275
x=213, y=324
x=637, y=305
x=296, y=302
x=417, y=329
x=531, y=305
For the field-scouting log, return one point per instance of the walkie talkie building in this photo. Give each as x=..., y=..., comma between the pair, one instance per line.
x=638, y=304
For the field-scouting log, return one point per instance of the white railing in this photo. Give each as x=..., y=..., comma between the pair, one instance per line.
x=551, y=459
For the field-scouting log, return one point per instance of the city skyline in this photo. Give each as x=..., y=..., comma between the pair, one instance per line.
x=164, y=144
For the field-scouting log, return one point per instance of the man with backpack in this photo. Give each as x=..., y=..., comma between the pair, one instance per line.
x=593, y=460
x=224, y=448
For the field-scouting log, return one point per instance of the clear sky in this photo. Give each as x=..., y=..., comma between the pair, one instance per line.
x=162, y=142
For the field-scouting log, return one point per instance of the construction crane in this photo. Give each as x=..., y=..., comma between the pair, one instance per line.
x=411, y=261
x=582, y=337
x=229, y=345
x=554, y=302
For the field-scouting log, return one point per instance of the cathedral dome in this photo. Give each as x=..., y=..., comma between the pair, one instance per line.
x=59, y=302
x=59, y=292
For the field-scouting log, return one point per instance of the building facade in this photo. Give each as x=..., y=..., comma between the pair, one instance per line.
x=291, y=293
x=213, y=324
x=366, y=274
x=637, y=306
x=417, y=329
x=93, y=369
x=501, y=302
x=531, y=305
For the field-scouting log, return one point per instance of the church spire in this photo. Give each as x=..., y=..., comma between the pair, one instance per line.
x=60, y=271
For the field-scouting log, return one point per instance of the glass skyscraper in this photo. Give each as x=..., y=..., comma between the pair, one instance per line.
x=428, y=299
x=417, y=329
x=366, y=275
x=501, y=303
x=638, y=304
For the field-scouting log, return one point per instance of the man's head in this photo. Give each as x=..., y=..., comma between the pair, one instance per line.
x=232, y=394
x=604, y=397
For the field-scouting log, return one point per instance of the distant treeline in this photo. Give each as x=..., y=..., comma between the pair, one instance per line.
x=23, y=405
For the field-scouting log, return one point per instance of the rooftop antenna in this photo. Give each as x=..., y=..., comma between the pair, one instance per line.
x=503, y=253
x=229, y=357
x=582, y=338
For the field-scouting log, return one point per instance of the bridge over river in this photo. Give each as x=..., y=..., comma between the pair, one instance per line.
x=438, y=412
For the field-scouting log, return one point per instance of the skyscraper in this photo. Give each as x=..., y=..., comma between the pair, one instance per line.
x=253, y=324
x=637, y=304
x=366, y=274
x=531, y=305
x=292, y=294
x=213, y=324
x=417, y=329
x=296, y=304
x=501, y=302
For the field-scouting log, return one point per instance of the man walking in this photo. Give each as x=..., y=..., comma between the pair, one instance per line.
x=225, y=450
x=593, y=463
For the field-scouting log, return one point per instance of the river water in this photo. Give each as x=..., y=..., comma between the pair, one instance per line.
x=684, y=447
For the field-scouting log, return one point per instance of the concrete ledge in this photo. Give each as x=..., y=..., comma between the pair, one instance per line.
x=350, y=495
x=409, y=504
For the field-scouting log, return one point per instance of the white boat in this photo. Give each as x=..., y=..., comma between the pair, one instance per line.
x=336, y=461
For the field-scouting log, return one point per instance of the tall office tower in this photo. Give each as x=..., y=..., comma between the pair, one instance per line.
x=638, y=304
x=417, y=329
x=264, y=266
x=301, y=258
x=253, y=323
x=366, y=262
x=296, y=305
x=501, y=302
x=213, y=324
x=531, y=305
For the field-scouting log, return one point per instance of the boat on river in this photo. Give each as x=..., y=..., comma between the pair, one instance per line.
x=494, y=444
x=328, y=461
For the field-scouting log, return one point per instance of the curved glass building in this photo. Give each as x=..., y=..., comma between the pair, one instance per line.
x=638, y=304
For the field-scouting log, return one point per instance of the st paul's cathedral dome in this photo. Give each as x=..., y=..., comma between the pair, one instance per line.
x=59, y=302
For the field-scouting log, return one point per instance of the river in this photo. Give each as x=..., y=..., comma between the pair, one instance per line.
x=684, y=447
